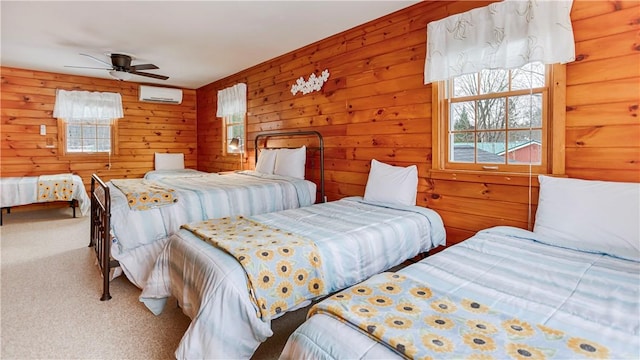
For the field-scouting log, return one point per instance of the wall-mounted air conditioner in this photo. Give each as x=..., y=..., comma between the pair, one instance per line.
x=160, y=94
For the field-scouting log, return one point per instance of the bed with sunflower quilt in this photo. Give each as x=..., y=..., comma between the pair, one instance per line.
x=140, y=214
x=568, y=289
x=232, y=276
x=144, y=212
x=16, y=191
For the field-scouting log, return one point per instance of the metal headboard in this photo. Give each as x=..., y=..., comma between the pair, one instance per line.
x=266, y=136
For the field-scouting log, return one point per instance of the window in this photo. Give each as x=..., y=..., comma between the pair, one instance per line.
x=86, y=121
x=233, y=126
x=82, y=137
x=498, y=120
x=232, y=107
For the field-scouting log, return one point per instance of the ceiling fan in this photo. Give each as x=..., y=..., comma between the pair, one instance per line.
x=121, y=68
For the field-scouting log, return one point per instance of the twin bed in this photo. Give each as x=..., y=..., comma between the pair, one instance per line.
x=16, y=191
x=130, y=227
x=347, y=240
x=570, y=289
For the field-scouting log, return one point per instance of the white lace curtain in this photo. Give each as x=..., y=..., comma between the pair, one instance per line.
x=232, y=100
x=80, y=106
x=505, y=35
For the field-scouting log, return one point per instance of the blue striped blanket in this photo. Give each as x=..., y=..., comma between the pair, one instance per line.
x=504, y=293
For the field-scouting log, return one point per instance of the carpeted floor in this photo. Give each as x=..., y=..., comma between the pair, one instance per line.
x=49, y=299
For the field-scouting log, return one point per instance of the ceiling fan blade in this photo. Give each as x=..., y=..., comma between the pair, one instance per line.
x=161, y=77
x=143, y=67
x=86, y=67
x=98, y=60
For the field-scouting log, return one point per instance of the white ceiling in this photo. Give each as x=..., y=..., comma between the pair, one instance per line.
x=192, y=42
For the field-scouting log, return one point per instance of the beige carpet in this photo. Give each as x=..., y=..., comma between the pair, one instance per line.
x=49, y=299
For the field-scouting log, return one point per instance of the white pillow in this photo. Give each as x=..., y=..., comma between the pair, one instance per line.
x=169, y=161
x=291, y=162
x=266, y=161
x=590, y=215
x=392, y=184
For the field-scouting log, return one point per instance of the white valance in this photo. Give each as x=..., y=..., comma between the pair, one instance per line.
x=504, y=35
x=82, y=106
x=232, y=100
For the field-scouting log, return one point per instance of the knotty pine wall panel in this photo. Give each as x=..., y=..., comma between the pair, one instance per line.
x=27, y=102
x=374, y=105
x=603, y=92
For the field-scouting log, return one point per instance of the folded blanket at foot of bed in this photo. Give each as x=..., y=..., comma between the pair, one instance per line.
x=412, y=320
x=269, y=257
x=144, y=194
x=55, y=187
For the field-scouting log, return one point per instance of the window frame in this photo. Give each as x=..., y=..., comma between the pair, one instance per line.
x=62, y=141
x=554, y=132
x=225, y=139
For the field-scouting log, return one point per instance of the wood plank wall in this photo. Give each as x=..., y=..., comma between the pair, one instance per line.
x=27, y=102
x=376, y=106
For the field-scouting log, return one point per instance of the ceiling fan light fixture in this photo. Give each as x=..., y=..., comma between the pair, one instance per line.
x=120, y=75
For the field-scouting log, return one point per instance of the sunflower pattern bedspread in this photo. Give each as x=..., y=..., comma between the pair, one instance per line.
x=269, y=256
x=144, y=194
x=418, y=323
x=55, y=187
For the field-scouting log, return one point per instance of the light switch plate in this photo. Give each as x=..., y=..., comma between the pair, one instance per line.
x=43, y=129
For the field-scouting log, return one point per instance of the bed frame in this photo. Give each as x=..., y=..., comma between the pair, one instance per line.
x=101, y=208
x=73, y=204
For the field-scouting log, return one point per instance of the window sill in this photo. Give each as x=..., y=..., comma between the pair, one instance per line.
x=104, y=155
x=494, y=177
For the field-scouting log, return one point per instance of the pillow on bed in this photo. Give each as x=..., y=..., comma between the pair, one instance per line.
x=266, y=161
x=392, y=184
x=169, y=161
x=589, y=215
x=291, y=162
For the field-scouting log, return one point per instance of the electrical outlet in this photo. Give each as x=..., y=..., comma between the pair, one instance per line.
x=43, y=129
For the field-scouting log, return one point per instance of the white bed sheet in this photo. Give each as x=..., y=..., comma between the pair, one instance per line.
x=15, y=191
x=355, y=239
x=138, y=236
x=593, y=296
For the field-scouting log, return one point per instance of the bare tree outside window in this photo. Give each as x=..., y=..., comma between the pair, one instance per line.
x=496, y=116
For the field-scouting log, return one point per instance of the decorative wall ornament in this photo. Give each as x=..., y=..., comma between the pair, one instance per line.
x=313, y=84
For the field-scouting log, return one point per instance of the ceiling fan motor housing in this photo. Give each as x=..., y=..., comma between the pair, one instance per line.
x=121, y=62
